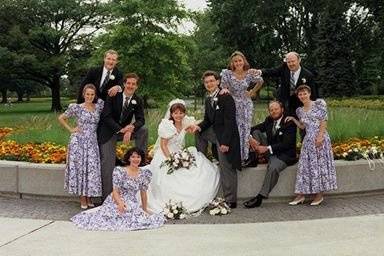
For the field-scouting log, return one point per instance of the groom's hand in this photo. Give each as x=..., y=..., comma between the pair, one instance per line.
x=224, y=148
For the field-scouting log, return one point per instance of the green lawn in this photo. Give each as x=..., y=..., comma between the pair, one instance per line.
x=35, y=123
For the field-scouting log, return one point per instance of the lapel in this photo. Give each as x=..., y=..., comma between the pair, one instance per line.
x=300, y=78
x=99, y=75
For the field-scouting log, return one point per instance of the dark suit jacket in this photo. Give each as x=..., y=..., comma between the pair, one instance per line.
x=222, y=118
x=110, y=116
x=94, y=77
x=283, y=92
x=283, y=143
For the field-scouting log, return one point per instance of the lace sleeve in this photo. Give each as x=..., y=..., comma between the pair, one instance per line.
x=321, y=109
x=145, y=179
x=71, y=110
x=166, y=129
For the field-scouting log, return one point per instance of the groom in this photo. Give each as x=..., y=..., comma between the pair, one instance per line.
x=219, y=127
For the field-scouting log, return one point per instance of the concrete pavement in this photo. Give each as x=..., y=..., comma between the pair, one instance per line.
x=361, y=235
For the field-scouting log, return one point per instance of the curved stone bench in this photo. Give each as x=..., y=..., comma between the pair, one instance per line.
x=23, y=179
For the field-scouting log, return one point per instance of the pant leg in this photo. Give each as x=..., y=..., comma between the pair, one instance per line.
x=107, y=161
x=274, y=168
x=203, y=138
x=228, y=178
x=141, y=138
x=260, y=137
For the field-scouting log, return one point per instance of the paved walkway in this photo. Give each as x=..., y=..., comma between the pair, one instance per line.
x=341, y=226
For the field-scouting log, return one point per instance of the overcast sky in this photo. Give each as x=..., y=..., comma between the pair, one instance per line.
x=194, y=4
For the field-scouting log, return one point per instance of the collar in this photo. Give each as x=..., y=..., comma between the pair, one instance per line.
x=214, y=94
x=297, y=71
x=125, y=95
x=278, y=121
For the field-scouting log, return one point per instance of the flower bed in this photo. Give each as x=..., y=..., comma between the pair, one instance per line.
x=352, y=149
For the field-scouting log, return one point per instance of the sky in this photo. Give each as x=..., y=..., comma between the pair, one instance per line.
x=194, y=5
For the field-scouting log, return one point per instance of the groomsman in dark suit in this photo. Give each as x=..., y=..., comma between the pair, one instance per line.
x=219, y=127
x=116, y=125
x=107, y=78
x=277, y=139
x=291, y=75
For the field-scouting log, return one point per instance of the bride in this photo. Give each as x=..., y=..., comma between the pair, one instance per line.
x=194, y=187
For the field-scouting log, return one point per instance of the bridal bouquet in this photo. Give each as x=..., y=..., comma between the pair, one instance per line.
x=180, y=159
x=218, y=207
x=174, y=210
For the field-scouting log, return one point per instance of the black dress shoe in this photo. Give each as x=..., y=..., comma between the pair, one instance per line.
x=249, y=163
x=232, y=205
x=254, y=202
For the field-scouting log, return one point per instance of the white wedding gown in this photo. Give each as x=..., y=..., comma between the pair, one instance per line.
x=194, y=187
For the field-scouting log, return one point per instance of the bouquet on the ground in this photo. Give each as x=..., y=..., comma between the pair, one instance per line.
x=175, y=210
x=180, y=159
x=218, y=206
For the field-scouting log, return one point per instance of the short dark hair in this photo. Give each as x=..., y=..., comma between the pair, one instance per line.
x=130, y=152
x=90, y=86
x=131, y=75
x=303, y=87
x=210, y=73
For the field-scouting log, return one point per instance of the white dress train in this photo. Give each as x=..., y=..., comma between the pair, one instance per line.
x=194, y=187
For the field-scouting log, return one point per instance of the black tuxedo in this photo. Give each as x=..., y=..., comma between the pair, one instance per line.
x=222, y=117
x=110, y=117
x=94, y=77
x=291, y=103
x=283, y=145
x=283, y=142
x=113, y=118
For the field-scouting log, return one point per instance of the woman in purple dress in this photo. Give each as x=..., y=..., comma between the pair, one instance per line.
x=237, y=80
x=82, y=173
x=316, y=169
x=121, y=210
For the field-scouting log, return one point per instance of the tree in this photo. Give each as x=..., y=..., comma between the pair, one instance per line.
x=144, y=34
x=336, y=72
x=40, y=35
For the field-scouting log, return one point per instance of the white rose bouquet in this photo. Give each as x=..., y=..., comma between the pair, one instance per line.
x=175, y=210
x=180, y=159
x=218, y=207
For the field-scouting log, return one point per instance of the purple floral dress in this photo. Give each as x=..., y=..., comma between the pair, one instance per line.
x=83, y=173
x=316, y=169
x=244, y=105
x=107, y=217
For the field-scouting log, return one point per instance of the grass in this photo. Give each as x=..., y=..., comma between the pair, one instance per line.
x=33, y=122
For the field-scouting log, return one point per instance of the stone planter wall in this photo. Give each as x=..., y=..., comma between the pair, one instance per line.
x=23, y=179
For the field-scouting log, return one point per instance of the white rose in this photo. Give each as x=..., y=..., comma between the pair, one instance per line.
x=174, y=207
x=174, y=164
x=224, y=211
x=182, y=216
x=185, y=164
x=170, y=215
x=111, y=77
x=175, y=211
x=133, y=102
x=212, y=212
x=304, y=80
x=166, y=210
x=177, y=161
x=184, y=155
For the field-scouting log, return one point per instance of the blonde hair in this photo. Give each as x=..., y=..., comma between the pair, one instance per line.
x=238, y=53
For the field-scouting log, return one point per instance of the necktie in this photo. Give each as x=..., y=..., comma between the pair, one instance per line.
x=274, y=128
x=106, y=79
x=292, y=83
x=124, y=109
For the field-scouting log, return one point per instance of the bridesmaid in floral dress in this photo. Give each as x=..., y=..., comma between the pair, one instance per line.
x=236, y=80
x=316, y=169
x=121, y=210
x=82, y=173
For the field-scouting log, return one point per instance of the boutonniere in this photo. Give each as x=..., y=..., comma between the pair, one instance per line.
x=280, y=133
x=134, y=102
x=217, y=107
x=303, y=80
x=215, y=99
x=111, y=77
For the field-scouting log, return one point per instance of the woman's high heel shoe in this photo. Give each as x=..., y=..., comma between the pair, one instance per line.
x=297, y=201
x=318, y=202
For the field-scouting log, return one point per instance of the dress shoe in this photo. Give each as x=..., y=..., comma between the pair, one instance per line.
x=249, y=163
x=232, y=205
x=254, y=202
x=297, y=201
x=318, y=202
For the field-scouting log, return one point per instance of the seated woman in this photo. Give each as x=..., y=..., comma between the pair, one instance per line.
x=195, y=187
x=121, y=210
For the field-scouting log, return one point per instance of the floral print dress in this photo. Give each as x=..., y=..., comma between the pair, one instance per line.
x=83, y=172
x=107, y=216
x=316, y=168
x=244, y=104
